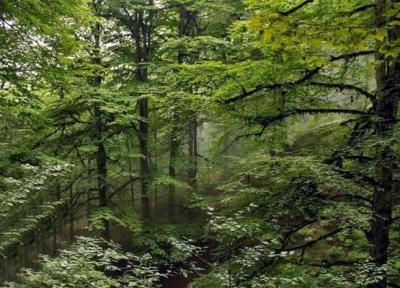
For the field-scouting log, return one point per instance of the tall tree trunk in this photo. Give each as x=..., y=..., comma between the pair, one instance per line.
x=101, y=158
x=188, y=28
x=143, y=107
x=154, y=166
x=57, y=197
x=89, y=193
x=173, y=142
x=174, y=146
x=192, y=143
x=388, y=93
x=101, y=154
x=71, y=213
x=144, y=159
x=142, y=37
x=130, y=170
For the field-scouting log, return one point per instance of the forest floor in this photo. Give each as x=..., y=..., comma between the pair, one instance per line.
x=28, y=255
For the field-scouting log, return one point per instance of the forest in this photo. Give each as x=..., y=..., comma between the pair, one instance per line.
x=199, y=143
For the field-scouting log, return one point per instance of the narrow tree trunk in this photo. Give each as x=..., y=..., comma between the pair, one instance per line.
x=174, y=146
x=142, y=39
x=101, y=158
x=187, y=25
x=57, y=197
x=101, y=154
x=71, y=213
x=188, y=28
x=130, y=170
x=154, y=166
x=192, y=143
x=388, y=93
x=89, y=193
x=144, y=159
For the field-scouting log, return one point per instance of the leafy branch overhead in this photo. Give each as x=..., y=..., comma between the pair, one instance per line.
x=207, y=143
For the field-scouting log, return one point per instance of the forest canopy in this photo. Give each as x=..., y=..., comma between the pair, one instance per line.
x=200, y=143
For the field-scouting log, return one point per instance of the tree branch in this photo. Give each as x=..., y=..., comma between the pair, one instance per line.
x=328, y=264
x=352, y=196
x=343, y=86
x=237, y=138
x=309, y=74
x=352, y=55
x=312, y=242
x=360, y=9
x=119, y=189
x=358, y=177
x=296, y=8
x=267, y=120
x=275, y=86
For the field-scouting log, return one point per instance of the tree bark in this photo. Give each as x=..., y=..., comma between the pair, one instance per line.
x=130, y=170
x=388, y=93
x=142, y=37
x=144, y=159
x=101, y=154
x=71, y=213
x=188, y=28
x=192, y=143
x=174, y=146
x=101, y=158
x=57, y=194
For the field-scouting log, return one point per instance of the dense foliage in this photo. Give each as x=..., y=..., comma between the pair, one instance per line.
x=235, y=143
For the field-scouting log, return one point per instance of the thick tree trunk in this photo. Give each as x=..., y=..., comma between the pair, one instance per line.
x=388, y=93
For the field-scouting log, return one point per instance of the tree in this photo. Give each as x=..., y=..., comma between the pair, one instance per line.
x=294, y=48
x=188, y=98
x=138, y=19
